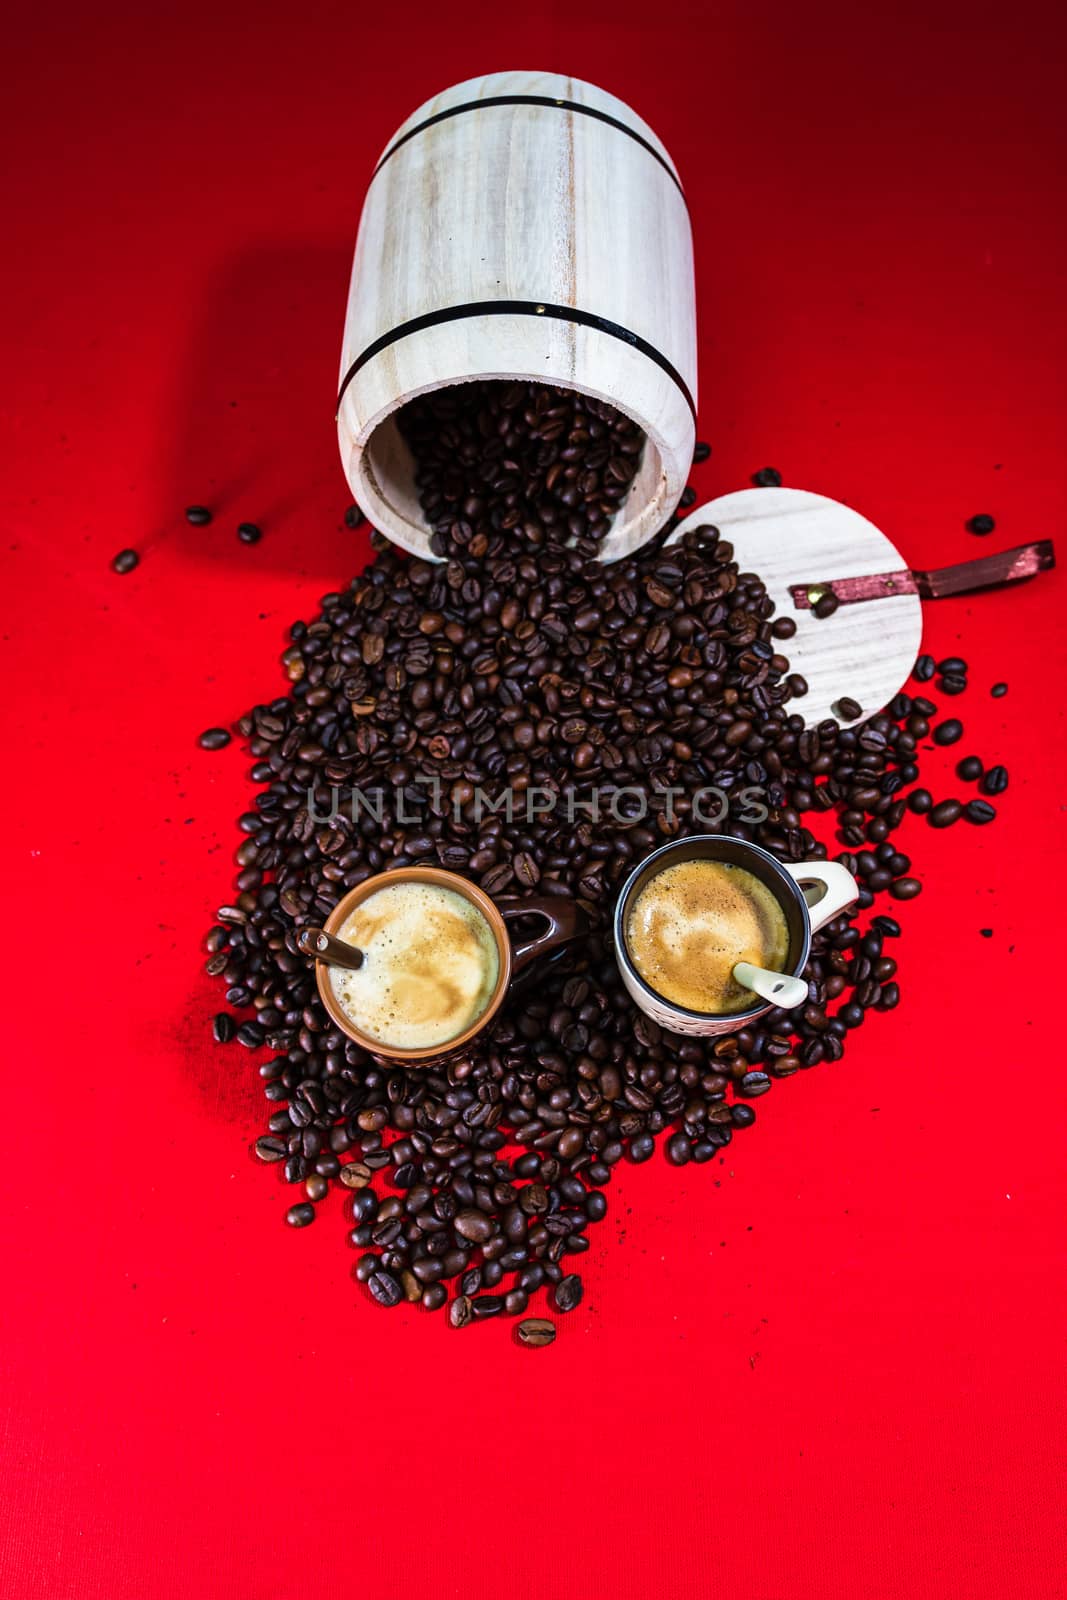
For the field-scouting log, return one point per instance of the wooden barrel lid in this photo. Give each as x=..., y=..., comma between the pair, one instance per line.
x=864, y=651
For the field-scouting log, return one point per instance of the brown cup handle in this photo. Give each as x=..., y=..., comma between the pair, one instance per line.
x=565, y=919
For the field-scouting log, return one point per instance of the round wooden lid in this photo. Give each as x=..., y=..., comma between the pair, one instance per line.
x=866, y=650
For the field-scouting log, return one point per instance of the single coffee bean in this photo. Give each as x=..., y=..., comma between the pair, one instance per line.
x=354, y=517
x=826, y=606
x=473, y=1225
x=199, y=516
x=920, y=801
x=905, y=888
x=316, y=1187
x=952, y=666
x=125, y=562
x=767, y=478
x=999, y=690
x=248, y=533
x=224, y=1026
x=385, y=1288
x=847, y=710
x=679, y=1150
x=535, y=1332
x=995, y=781
x=568, y=1292
x=701, y=451
x=355, y=1175
x=459, y=1312
x=969, y=769
x=979, y=811
x=214, y=739
x=948, y=732
x=300, y=1215
x=945, y=813
x=981, y=524
x=486, y=1305
x=924, y=669
x=270, y=1148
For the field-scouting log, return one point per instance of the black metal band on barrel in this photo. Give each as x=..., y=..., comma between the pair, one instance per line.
x=532, y=100
x=518, y=308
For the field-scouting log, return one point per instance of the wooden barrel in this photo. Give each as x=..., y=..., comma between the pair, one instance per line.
x=521, y=225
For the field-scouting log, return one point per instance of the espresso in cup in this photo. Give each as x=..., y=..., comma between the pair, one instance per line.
x=430, y=965
x=693, y=922
x=697, y=906
x=439, y=956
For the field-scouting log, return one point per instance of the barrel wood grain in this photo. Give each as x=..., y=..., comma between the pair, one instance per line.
x=546, y=207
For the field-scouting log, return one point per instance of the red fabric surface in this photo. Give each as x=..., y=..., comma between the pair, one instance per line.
x=830, y=1364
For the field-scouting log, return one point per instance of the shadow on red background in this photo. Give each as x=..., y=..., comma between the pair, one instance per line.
x=260, y=361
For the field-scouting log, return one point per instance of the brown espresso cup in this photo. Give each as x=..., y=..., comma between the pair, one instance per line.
x=562, y=919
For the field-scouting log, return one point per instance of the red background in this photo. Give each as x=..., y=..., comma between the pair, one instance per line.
x=829, y=1364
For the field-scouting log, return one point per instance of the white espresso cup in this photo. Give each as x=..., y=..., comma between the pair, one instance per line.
x=810, y=893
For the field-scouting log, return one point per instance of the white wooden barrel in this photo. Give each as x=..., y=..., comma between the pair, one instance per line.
x=521, y=225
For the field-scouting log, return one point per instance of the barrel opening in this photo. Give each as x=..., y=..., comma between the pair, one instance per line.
x=566, y=457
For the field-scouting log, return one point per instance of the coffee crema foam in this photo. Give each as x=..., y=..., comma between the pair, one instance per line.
x=430, y=965
x=693, y=922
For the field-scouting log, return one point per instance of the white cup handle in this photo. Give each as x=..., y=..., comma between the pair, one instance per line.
x=839, y=889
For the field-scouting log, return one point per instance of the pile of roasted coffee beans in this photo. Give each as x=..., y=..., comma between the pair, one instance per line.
x=519, y=661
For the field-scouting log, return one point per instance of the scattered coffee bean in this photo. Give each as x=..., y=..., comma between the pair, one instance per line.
x=846, y=710
x=980, y=524
x=214, y=739
x=248, y=533
x=924, y=669
x=568, y=1292
x=385, y=1288
x=945, y=813
x=354, y=517
x=125, y=561
x=486, y=1305
x=999, y=690
x=948, y=732
x=979, y=812
x=459, y=1312
x=701, y=451
x=271, y=1148
x=995, y=781
x=536, y=1332
x=969, y=769
x=767, y=478
x=826, y=606
x=355, y=1175
x=199, y=516
x=224, y=1026
x=905, y=888
x=299, y=1216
